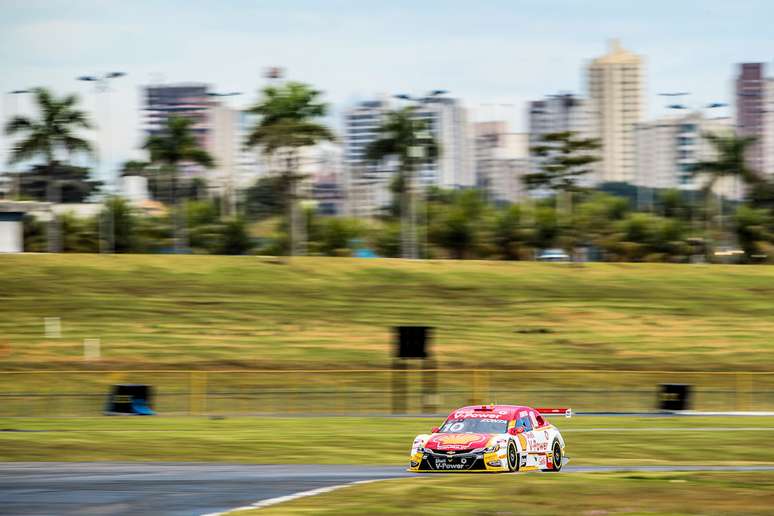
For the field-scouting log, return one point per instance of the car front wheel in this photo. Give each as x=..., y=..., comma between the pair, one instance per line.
x=513, y=457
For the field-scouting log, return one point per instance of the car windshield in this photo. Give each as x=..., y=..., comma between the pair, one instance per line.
x=478, y=426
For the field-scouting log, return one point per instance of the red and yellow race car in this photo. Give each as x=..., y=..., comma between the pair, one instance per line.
x=492, y=438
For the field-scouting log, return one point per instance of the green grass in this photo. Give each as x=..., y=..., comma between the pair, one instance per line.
x=591, y=494
x=245, y=312
x=590, y=440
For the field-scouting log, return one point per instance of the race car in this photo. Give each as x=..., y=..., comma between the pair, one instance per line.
x=494, y=438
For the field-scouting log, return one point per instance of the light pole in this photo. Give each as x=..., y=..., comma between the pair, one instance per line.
x=10, y=112
x=416, y=153
x=228, y=203
x=102, y=85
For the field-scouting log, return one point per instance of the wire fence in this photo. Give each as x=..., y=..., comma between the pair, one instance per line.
x=401, y=390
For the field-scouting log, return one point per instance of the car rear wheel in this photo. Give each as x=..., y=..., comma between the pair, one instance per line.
x=513, y=457
x=556, y=452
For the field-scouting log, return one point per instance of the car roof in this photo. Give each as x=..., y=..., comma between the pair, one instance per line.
x=500, y=411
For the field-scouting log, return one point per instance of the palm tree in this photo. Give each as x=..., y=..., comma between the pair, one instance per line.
x=730, y=150
x=177, y=144
x=287, y=123
x=405, y=137
x=53, y=135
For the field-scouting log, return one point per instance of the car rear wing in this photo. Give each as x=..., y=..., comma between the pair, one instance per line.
x=567, y=412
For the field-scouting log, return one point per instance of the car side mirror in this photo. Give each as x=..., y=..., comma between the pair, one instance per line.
x=435, y=430
x=516, y=430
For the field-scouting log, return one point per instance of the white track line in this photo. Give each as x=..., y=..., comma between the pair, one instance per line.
x=295, y=496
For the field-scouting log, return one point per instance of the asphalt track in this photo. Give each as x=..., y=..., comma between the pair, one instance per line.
x=177, y=489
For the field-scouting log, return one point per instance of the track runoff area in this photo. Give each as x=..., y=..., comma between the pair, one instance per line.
x=167, y=488
x=185, y=488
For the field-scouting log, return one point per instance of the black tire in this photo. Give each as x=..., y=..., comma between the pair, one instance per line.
x=556, y=450
x=513, y=457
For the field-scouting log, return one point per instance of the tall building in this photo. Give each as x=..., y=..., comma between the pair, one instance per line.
x=561, y=113
x=501, y=161
x=669, y=148
x=750, y=116
x=447, y=121
x=320, y=165
x=220, y=130
x=615, y=87
x=368, y=183
x=767, y=140
x=188, y=100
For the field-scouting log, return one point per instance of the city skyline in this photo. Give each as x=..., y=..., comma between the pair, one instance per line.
x=495, y=59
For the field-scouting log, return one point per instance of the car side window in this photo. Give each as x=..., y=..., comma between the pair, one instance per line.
x=540, y=421
x=525, y=423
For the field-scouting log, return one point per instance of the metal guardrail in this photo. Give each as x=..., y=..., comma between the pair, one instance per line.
x=376, y=391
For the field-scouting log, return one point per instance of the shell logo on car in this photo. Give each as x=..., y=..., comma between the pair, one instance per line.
x=458, y=439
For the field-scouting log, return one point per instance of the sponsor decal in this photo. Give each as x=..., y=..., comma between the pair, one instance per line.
x=494, y=414
x=452, y=439
x=444, y=465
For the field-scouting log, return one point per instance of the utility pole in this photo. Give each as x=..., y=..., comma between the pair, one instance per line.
x=102, y=85
x=10, y=112
x=409, y=244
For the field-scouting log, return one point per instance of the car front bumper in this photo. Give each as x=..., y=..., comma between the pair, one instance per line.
x=443, y=462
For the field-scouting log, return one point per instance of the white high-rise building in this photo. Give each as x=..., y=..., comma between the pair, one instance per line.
x=447, y=121
x=236, y=166
x=502, y=161
x=368, y=183
x=559, y=113
x=564, y=112
x=669, y=148
x=615, y=87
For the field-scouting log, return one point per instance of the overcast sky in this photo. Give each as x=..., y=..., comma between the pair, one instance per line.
x=494, y=55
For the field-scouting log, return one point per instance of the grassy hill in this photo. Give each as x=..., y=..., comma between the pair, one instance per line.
x=248, y=312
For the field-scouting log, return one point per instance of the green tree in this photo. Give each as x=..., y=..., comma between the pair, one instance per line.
x=135, y=167
x=387, y=239
x=753, y=229
x=34, y=234
x=509, y=233
x=174, y=145
x=266, y=197
x=545, y=227
x=648, y=237
x=405, y=137
x=456, y=227
x=234, y=237
x=53, y=138
x=595, y=218
x=54, y=134
x=337, y=235
x=730, y=161
x=118, y=212
x=288, y=121
x=79, y=235
x=59, y=182
x=564, y=158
